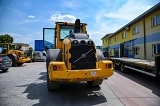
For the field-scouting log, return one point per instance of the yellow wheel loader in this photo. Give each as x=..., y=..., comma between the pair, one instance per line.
x=17, y=56
x=72, y=56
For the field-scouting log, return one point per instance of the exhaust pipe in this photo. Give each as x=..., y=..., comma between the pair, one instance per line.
x=77, y=26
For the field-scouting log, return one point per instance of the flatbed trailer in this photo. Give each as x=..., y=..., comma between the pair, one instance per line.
x=148, y=67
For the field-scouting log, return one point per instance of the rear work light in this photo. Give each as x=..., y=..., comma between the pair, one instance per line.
x=54, y=68
x=108, y=65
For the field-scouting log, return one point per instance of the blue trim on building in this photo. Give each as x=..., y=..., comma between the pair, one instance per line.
x=153, y=38
x=114, y=46
x=137, y=41
x=150, y=38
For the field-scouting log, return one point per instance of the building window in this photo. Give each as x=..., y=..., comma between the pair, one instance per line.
x=136, y=29
x=116, y=38
x=106, y=39
x=156, y=20
x=124, y=35
x=136, y=50
x=156, y=49
x=110, y=52
x=110, y=41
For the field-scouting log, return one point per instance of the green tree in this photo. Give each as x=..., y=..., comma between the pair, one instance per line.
x=6, y=38
x=30, y=48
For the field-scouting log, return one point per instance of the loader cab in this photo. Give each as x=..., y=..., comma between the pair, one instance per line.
x=53, y=37
x=5, y=47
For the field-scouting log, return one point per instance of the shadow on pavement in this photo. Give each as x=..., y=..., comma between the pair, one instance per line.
x=150, y=82
x=70, y=94
x=43, y=76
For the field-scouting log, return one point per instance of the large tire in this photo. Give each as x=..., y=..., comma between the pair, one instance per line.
x=95, y=82
x=14, y=63
x=114, y=65
x=100, y=55
x=53, y=55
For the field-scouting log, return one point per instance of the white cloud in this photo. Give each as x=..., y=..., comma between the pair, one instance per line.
x=109, y=21
x=130, y=10
x=60, y=17
x=31, y=16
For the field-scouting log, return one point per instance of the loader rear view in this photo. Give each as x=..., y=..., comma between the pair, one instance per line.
x=72, y=56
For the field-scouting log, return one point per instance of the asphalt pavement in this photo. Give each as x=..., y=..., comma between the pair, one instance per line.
x=26, y=86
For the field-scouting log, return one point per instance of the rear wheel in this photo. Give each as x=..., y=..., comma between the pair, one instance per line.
x=51, y=85
x=52, y=55
x=95, y=82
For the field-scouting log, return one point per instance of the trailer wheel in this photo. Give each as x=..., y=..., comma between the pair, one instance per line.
x=95, y=82
x=114, y=64
x=122, y=68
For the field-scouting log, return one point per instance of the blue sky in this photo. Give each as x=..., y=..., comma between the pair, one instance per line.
x=25, y=19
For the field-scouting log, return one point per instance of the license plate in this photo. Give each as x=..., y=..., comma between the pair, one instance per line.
x=93, y=73
x=7, y=62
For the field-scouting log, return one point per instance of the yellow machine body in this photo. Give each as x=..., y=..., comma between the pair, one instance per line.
x=17, y=56
x=63, y=74
x=63, y=69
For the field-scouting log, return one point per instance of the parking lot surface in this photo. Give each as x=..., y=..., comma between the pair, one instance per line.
x=26, y=86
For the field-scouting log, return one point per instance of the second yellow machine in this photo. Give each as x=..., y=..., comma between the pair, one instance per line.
x=17, y=56
x=72, y=56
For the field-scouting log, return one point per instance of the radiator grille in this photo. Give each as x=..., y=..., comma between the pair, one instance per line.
x=83, y=57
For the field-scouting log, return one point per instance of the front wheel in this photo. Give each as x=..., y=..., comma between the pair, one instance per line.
x=14, y=64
